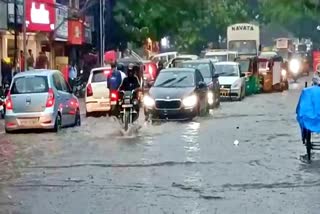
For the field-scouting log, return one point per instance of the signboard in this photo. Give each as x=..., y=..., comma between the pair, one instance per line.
x=87, y=35
x=61, y=22
x=11, y=11
x=4, y=15
x=282, y=43
x=316, y=61
x=242, y=28
x=40, y=15
x=75, y=32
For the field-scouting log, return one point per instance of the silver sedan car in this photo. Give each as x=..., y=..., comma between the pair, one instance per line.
x=41, y=99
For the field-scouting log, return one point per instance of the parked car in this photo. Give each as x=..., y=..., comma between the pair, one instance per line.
x=41, y=99
x=178, y=94
x=232, y=80
x=97, y=95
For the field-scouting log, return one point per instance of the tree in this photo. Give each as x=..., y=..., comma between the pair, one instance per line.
x=183, y=20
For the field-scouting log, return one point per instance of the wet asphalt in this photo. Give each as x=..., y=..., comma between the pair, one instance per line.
x=243, y=158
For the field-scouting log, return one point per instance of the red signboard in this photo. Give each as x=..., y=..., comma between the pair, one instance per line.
x=316, y=60
x=75, y=32
x=40, y=15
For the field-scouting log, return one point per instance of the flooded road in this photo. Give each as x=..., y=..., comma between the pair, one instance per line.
x=193, y=167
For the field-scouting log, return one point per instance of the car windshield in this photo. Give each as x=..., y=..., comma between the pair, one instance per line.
x=99, y=76
x=227, y=70
x=178, y=62
x=204, y=68
x=243, y=47
x=218, y=58
x=175, y=79
x=29, y=85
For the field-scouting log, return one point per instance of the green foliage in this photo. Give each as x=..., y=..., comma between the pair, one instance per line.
x=184, y=20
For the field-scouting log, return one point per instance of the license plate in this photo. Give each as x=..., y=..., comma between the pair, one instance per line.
x=224, y=92
x=104, y=104
x=29, y=122
x=127, y=106
x=127, y=101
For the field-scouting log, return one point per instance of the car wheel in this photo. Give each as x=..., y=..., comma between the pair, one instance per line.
x=77, y=121
x=218, y=102
x=88, y=114
x=8, y=131
x=57, y=124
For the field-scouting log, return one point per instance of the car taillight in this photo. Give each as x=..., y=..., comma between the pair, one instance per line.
x=89, y=90
x=9, y=105
x=114, y=95
x=50, y=99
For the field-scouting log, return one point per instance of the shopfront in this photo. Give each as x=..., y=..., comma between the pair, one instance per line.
x=61, y=58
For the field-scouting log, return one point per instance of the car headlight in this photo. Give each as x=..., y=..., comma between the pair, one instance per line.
x=190, y=101
x=210, y=97
x=148, y=101
x=283, y=72
x=294, y=65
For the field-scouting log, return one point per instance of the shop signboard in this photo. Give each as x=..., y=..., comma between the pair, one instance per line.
x=61, y=22
x=11, y=11
x=75, y=32
x=40, y=15
x=4, y=15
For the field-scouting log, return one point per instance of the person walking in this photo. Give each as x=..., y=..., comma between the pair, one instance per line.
x=42, y=61
x=73, y=73
x=30, y=60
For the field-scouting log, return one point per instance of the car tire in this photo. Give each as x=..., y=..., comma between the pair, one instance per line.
x=57, y=124
x=8, y=131
x=88, y=114
x=77, y=121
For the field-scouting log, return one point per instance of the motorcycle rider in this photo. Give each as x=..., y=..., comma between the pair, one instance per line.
x=115, y=79
x=130, y=83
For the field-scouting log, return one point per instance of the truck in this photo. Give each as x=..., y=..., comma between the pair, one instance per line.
x=244, y=38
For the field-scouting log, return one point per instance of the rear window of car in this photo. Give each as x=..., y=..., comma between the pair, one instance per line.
x=99, y=76
x=30, y=85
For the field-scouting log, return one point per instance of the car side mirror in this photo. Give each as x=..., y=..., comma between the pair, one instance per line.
x=202, y=85
x=216, y=76
x=242, y=75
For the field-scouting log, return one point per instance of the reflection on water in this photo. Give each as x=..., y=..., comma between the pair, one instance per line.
x=190, y=136
x=192, y=176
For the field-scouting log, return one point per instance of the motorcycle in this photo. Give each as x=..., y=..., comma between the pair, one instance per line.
x=127, y=108
x=295, y=69
x=79, y=86
x=2, y=106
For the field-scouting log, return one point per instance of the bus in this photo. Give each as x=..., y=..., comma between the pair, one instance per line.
x=244, y=38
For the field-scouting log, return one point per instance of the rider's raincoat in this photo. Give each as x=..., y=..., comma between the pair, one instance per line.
x=308, y=109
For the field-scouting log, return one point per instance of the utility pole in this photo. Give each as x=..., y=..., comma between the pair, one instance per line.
x=101, y=32
x=24, y=32
x=16, y=32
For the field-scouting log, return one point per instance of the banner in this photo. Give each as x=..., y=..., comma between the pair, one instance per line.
x=75, y=32
x=61, y=22
x=316, y=60
x=4, y=15
x=40, y=15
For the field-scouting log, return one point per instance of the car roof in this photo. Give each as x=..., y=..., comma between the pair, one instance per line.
x=183, y=56
x=38, y=72
x=165, y=54
x=227, y=63
x=101, y=68
x=198, y=61
x=178, y=69
x=215, y=53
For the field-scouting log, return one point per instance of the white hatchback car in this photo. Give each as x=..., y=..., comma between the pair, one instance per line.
x=232, y=80
x=97, y=96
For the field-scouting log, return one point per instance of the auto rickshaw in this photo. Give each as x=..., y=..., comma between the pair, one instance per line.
x=273, y=74
x=249, y=66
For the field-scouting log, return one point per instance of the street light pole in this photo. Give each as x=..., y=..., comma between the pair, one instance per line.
x=101, y=32
x=24, y=32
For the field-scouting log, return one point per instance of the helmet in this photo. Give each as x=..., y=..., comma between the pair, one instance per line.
x=130, y=71
x=110, y=57
x=120, y=67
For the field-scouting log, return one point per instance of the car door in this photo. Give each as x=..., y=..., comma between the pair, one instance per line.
x=243, y=78
x=60, y=98
x=202, y=92
x=67, y=101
